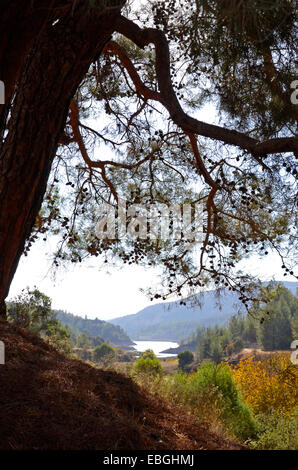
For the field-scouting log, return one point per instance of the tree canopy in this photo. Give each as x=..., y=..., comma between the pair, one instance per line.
x=32, y=310
x=271, y=327
x=185, y=358
x=144, y=78
x=104, y=354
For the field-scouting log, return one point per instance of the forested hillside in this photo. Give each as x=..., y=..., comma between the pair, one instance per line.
x=272, y=327
x=108, y=332
x=171, y=321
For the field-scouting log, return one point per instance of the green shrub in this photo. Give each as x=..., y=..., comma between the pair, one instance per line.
x=184, y=358
x=104, y=354
x=147, y=366
x=148, y=353
x=236, y=414
x=277, y=432
x=147, y=369
x=182, y=389
x=212, y=395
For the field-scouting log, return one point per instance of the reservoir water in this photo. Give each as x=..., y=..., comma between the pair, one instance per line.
x=156, y=346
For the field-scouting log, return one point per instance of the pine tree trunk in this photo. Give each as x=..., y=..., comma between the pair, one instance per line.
x=47, y=83
x=3, y=310
x=20, y=24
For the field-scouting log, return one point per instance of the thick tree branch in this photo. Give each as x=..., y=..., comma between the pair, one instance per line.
x=141, y=89
x=147, y=93
x=167, y=96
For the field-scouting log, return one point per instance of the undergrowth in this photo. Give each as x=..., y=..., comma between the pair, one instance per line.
x=211, y=395
x=254, y=402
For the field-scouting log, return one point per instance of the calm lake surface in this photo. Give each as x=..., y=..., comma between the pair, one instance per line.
x=156, y=346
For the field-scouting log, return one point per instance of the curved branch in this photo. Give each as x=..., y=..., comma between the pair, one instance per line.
x=200, y=164
x=167, y=96
x=77, y=137
x=114, y=48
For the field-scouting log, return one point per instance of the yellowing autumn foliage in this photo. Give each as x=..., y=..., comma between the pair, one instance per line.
x=268, y=385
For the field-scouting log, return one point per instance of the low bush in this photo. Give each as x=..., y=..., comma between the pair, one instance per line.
x=277, y=432
x=269, y=385
x=213, y=396
x=147, y=368
x=104, y=354
x=184, y=358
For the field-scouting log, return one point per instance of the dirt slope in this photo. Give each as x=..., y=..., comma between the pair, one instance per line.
x=48, y=401
x=257, y=354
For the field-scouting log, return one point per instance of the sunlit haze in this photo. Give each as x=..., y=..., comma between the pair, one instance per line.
x=86, y=290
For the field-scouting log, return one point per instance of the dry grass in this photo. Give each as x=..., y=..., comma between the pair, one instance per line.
x=169, y=366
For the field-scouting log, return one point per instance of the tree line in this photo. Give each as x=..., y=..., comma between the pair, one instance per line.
x=31, y=309
x=271, y=327
x=94, y=327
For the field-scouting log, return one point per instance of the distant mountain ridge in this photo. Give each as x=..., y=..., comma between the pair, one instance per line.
x=170, y=321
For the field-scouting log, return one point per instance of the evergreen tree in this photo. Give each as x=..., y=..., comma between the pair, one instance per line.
x=216, y=350
x=273, y=326
x=104, y=354
x=32, y=310
x=240, y=55
x=184, y=358
x=276, y=328
x=83, y=340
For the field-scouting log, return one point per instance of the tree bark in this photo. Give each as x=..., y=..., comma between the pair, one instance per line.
x=20, y=24
x=3, y=310
x=47, y=83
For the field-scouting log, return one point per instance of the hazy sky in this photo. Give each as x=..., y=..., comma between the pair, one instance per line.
x=86, y=290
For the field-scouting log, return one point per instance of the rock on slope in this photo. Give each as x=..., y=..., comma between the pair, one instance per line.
x=48, y=401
